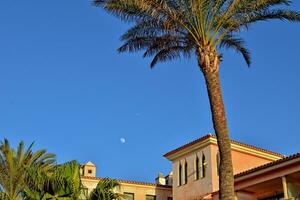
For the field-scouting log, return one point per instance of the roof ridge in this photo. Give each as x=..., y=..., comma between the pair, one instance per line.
x=257, y=148
x=127, y=181
x=232, y=141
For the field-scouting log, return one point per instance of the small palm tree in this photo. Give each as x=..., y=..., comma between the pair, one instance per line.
x=169, y=29
x=106, y=190
x=16, y=165
x=63, y=183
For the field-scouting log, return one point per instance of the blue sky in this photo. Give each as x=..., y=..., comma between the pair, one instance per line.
x=64, y=86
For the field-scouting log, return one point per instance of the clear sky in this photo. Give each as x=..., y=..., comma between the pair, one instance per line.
x=64, y=86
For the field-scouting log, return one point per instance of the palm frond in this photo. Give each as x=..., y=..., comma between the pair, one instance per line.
x=169, y=29
x=237, y=44
x=17, y=166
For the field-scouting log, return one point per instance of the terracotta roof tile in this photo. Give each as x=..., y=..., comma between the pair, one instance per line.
x=128, y=181
x=276, y=162
x=213, y=136
x=188, y=145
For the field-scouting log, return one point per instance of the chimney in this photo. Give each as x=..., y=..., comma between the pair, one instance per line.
x=160, y=180
x=88, y=169
x=169, y=179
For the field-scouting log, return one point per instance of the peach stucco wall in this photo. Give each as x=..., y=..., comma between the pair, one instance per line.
x=193, y=188
x=140, y=191
x=244, y=161
x=241, y=162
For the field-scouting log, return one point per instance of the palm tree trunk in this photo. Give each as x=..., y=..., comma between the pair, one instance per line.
x=226, y=179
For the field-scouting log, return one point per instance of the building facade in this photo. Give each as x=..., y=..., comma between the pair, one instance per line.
x=132, y=190
x=259, y=174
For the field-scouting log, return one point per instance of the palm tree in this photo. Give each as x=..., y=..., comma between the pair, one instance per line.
x=63, y=183
x=105, y=190
x=169, y=29
x=15, y=168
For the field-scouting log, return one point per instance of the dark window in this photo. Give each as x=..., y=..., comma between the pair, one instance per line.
x=203, y=166
x=170, y=198
x=180, y=175
x=129, y=196
x=185, y=172
x=197, y=166
x=90, y=171
x=150, y=197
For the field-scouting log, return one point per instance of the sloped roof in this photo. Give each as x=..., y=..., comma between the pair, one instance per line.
x=128, y=181
x=90, y=163
x=265, y=166
x=199, y=140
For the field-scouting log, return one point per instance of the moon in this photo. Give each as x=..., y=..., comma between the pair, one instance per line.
x=123, y=140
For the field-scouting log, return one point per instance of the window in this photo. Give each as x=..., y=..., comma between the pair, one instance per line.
x=185, y=172
x=90, y=171
x=150, y=197
x=203, y=166
x=179, y=174
x=170, y=198
x=197, y=168
x=129, y=196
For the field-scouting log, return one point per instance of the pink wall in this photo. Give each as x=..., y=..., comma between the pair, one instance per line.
x=241, y=162
x=194, y=188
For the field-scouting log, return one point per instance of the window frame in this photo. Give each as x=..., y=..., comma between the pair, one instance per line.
x=149, y=195
x=129, y=193
x=197, y=168
x=185, y=172
x=203, y=166
x=179, y=174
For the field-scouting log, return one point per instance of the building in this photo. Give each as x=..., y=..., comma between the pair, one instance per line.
x=259, y=174
x=133, y=190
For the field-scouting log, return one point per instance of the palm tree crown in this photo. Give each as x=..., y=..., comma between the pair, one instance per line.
x=62, y=183
x=16, y=167
x=168, y=29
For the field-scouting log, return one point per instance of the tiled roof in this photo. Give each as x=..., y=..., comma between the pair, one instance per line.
x=128, y=181
x=232, y=141
x=274, y=163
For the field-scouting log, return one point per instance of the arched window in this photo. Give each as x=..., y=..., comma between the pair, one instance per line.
x=203, y=166
x=179, y=174
x=185, y=172
x=197, y=168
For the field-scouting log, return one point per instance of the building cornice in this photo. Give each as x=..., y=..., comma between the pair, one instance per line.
x=253, y=151
x=211, y=139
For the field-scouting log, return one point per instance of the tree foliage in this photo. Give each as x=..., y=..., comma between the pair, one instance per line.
x=169, y=29
x=63, y=183
x=25, y=174
x=16, y=168
x=106, y=190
